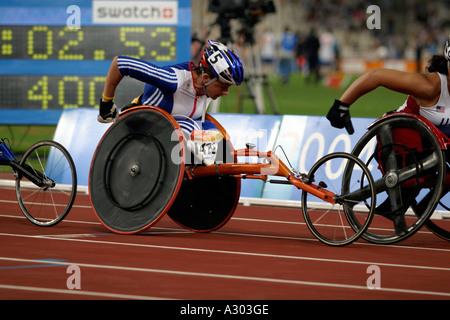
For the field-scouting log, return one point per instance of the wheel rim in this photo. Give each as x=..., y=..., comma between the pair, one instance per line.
x=423, y=199
x=137, y=170
x=344, y=222
x=49, y=204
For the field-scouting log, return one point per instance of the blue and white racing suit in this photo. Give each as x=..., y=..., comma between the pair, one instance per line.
x=170, y=88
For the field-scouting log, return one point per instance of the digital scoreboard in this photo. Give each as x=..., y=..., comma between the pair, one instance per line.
x=88, y=43
x=56, y=54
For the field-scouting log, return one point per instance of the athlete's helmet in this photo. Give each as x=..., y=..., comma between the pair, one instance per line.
x=223, y=62
x=447, y=50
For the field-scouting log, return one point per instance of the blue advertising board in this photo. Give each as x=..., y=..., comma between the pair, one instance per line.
x=260, y=130
x=302, y=140
x=305, y=139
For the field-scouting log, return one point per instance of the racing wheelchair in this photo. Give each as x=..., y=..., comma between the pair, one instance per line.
x=46, y=181
x=406, y=155
x=142, y=170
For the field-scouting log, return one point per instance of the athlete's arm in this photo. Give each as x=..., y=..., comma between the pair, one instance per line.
x=164, y=78
x=138, y=69
x=420, y=86
x=113, y=79
x=423, y=87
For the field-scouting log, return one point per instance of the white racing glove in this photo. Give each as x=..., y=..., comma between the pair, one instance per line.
x=204, y=145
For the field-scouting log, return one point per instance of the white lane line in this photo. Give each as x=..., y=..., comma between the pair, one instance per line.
x=235, y=277
x=74, y=206
x=80, y=292
x=150, y=231
x=241, y=253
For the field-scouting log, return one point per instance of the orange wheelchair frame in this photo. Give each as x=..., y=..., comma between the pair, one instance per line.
x=139, y=173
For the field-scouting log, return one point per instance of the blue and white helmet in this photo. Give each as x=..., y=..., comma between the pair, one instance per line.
x=223, y=62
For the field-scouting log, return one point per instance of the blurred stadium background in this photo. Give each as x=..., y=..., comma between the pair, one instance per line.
x=410, y=31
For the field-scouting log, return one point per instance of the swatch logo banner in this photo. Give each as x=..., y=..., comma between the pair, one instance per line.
x=135, y=12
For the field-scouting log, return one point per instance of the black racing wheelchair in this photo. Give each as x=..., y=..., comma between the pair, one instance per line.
x=406, y=155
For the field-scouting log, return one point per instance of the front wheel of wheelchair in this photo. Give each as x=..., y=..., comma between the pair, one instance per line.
x=47, y=204
x=408, y=167
x=137, y=170
x=349, y=217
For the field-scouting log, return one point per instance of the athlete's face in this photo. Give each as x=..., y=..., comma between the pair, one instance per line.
x=216, y=89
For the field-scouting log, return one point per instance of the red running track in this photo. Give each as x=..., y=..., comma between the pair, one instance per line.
x=263, y=253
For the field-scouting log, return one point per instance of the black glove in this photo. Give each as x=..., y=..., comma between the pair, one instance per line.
x=108, y=112
x=339, y=116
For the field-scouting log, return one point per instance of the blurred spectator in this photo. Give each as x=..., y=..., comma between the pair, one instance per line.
x=401, y=21
x=410, y=29
x=287, y=54
x=328, y=52
x=268, y=45
x=311, y=48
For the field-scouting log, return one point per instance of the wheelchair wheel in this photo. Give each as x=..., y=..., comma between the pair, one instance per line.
x=47, y=205
x=345, y=221
x=408, y=167
x=206, y=204
x=137, y=170
x=439, y=228
x=440, y=225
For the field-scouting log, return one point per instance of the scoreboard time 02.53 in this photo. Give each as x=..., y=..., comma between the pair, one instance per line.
x=88, y=43
x=54, y=67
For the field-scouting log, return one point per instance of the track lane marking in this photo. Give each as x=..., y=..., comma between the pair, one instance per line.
x=242, y=253
x=256, y=235
x=80, y=292
x=243, y=278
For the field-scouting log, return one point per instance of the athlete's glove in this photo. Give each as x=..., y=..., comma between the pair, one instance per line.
x=339, y=116
x=108, y=112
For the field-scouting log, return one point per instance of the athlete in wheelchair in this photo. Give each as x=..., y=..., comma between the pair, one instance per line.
x=183, y=90
x=140, y=171
x=416, y=134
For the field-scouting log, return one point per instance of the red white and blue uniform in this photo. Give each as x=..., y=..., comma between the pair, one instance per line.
x=439, y=114
x=170, y=88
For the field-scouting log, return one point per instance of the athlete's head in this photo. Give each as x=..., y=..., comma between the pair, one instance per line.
x=447, y=50
x=224, y=63
x=440, y=63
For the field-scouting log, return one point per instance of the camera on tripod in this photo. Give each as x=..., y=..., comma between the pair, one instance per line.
x=246, y=10
x=248, y=13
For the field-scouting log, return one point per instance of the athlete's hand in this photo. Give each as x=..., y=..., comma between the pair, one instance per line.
x=108, y=112
x=339, y=116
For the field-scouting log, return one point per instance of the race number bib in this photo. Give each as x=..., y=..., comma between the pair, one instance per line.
x=218, y=62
